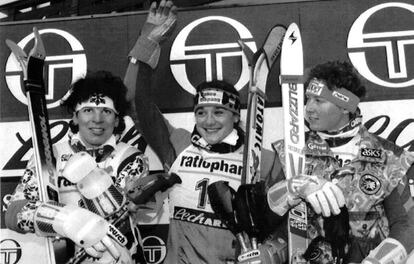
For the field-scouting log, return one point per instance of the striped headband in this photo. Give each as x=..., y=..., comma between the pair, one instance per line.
x=340, y=97
x=217, y=97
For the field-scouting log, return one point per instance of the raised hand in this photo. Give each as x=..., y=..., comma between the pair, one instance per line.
x=159, y=24
x=160, y=21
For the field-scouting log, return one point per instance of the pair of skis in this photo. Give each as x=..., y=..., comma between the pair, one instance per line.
x=291, y=80
x=32, y=67
x=247, y=207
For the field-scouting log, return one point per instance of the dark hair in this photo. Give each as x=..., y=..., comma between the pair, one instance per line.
x=99, y=82
x=219, y=84
x=338, y=74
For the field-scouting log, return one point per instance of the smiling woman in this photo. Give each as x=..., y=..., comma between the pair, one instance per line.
x=211, y=153
x=94, y=171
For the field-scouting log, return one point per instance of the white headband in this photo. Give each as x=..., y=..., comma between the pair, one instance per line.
x=97, y=100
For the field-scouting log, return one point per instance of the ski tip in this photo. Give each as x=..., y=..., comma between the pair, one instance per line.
x=293, y=28
x=292, y=36
x=247, y=51
x=273, y=43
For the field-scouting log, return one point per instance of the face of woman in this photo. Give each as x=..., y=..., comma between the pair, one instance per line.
x=323, y=115
x=96, y=124
x=214, y=123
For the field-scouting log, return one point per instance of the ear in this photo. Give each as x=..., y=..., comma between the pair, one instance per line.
x=236, y=118
x=345, y=112
x=116, y=121
x=75, y=118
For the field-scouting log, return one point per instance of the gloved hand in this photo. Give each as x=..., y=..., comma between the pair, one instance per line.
x=143, y=189
x=84, y=228
x=389, y=250
x=105, y=256
x=159, y=24
x=96, y=186
x=324, y=196
x=270, y=252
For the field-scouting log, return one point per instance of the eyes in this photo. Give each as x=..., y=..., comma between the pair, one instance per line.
x=217, y=112
x=103, y=110
x=314, y=99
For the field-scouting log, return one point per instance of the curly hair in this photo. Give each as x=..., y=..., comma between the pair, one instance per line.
x=99, y=82
x=338, y=74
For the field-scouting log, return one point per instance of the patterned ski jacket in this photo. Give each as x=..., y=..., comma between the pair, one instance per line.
x=119, y=159
x=377, y=194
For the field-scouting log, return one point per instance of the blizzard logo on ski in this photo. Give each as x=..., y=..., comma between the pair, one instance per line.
x=340, y=96
x=293, y=112
x=292, y=37
x=371, y=153
x=115, y=233
x=249, y=255
x=197, y=217
x=221, y=166
x=47, y=149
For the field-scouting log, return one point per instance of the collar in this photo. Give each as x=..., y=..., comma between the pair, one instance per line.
x=74, y=139
x=230, y=143
x=100, y=153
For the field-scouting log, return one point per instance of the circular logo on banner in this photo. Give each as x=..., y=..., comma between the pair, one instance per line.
x=11, y=251
x=76, y=62
x=183, y=55
x=392, y=42
x=369, y=184
x=154, y=249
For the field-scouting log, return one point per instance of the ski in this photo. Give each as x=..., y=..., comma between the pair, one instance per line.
x=291, y=79
x=32, y=67
x=260, y=64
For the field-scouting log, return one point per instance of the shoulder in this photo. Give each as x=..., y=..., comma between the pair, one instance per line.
x=125, y=155
x=180, y=139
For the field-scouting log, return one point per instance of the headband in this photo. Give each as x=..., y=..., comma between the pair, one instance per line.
x=340, y=97
x=217, y=97
x=97, y=100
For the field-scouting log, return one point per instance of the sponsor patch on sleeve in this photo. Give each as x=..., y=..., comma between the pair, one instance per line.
x=371, y=153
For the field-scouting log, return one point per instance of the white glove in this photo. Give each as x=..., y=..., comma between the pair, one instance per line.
x=324, y=196
x=389, y=250
x=106, y=258
x=95, y=184
x=270, y=252
x=84, y=228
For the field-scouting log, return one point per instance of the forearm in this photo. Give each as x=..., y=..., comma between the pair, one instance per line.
x=25, y=199
x=147, y=117
x=19, y=216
